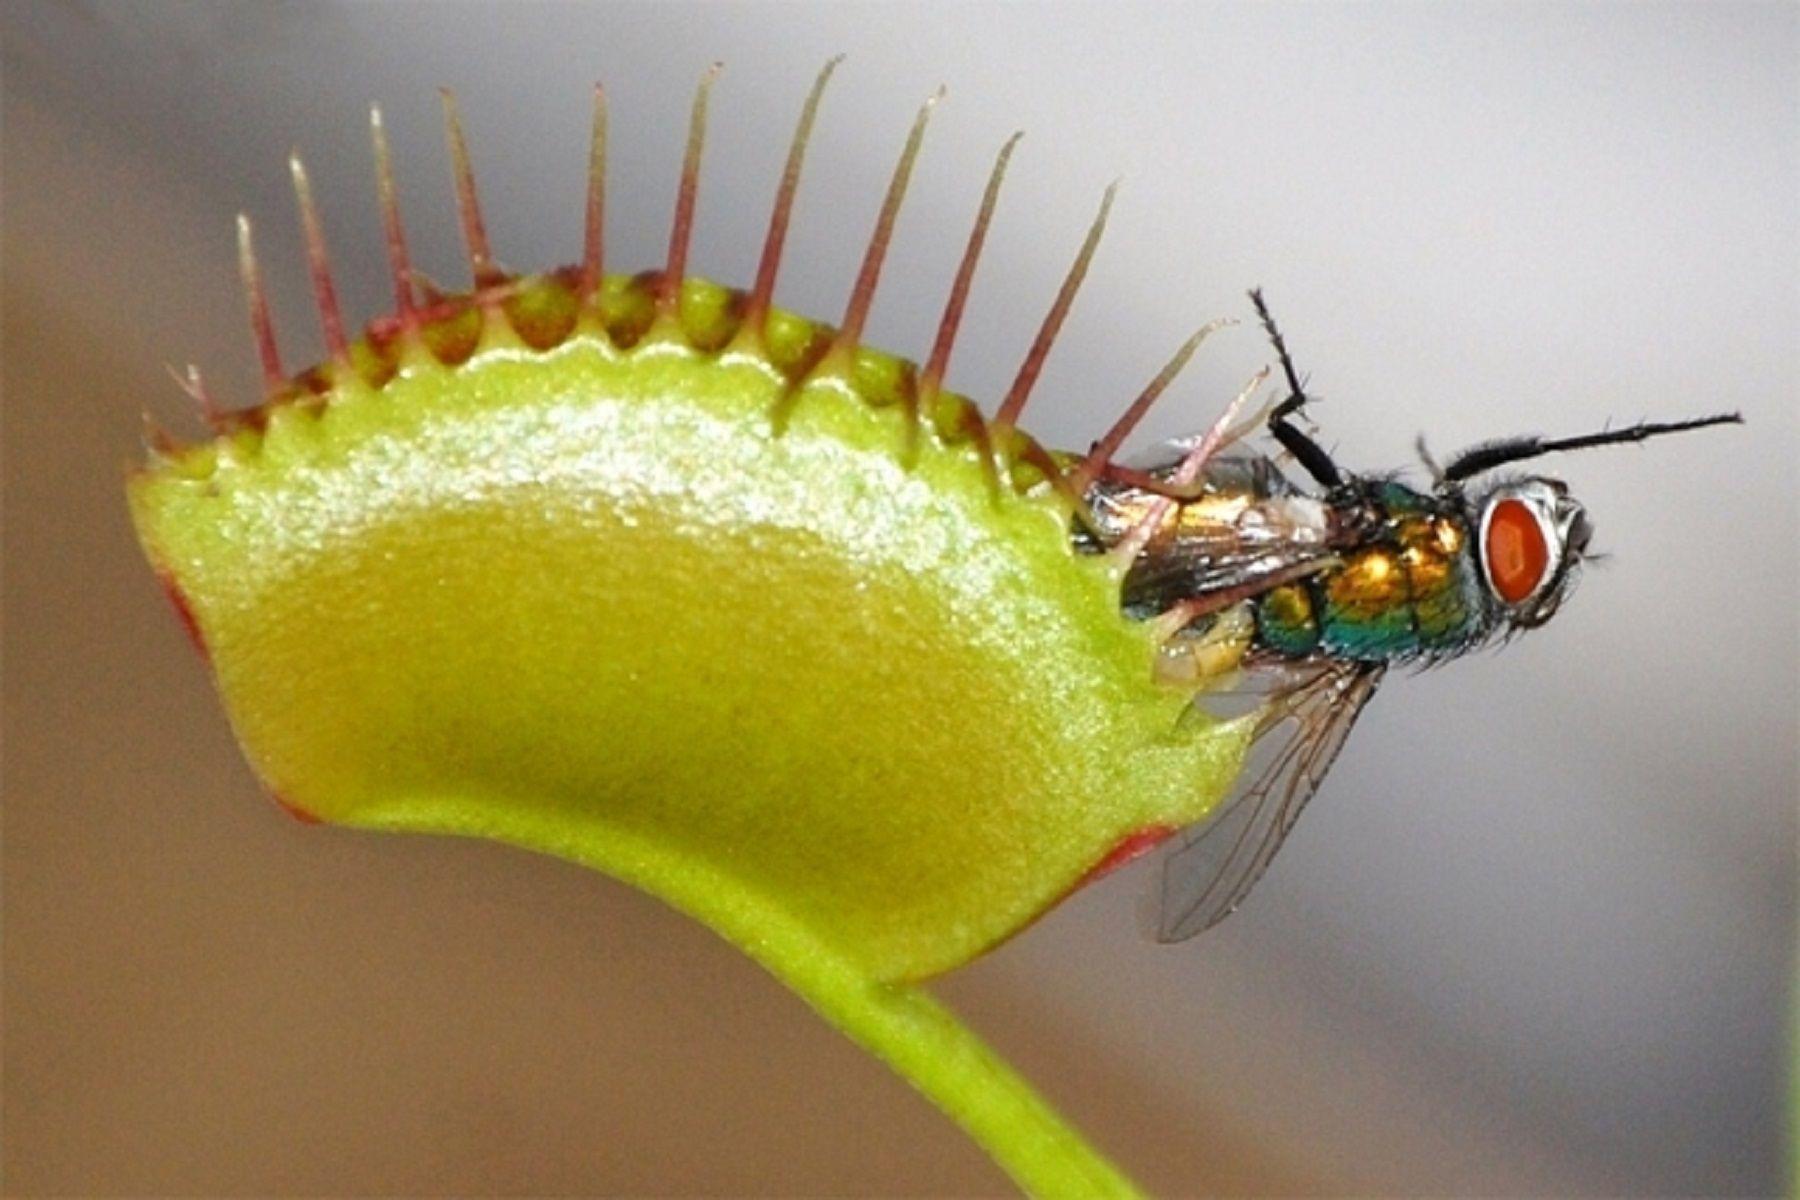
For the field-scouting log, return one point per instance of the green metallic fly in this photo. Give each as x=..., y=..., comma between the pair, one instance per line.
x=1316, y=595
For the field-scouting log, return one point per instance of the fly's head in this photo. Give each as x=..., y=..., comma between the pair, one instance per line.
x=1531, y=537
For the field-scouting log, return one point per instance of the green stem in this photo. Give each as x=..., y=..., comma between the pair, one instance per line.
x=898, y=1023
x=925, y=1043
x=921, y=1040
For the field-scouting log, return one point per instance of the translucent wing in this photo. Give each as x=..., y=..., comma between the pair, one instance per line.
x=1246, y=523
x=1208, y=875
x=1211, y=555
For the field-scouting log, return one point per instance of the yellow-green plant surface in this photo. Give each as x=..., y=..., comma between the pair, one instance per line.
x=739, y=635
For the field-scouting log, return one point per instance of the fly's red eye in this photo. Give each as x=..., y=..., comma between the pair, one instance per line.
x=1517, y=555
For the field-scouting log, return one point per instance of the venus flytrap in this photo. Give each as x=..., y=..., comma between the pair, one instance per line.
x=654, y=576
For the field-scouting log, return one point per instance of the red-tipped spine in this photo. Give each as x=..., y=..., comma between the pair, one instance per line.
x=593, y=243
x=468, y=200
x=261, y=327
x=668, y=292
x=158, y=442
x=399, y=265
x=196, y=388
x=932, y=379
x=1029, y=370
x=318, y=262
x=1106, y=447
x=762, y=294
x=862, y=296
x=1138, y=536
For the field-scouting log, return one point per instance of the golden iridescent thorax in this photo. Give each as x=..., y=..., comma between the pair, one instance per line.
x=1411, y=589
x=1422, y=558
x=1368, y=585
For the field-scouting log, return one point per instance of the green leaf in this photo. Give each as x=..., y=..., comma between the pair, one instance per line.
x=820, y=686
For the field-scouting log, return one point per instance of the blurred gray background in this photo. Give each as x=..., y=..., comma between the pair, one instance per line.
x=1535, y=936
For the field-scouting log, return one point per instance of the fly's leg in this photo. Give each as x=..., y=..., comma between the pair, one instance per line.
x=1308, y=453
x=1208, y=661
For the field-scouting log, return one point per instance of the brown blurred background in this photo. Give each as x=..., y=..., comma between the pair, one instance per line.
x=1537, y=934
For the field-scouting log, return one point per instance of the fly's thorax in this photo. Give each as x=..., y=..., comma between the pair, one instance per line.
x=1403, y=585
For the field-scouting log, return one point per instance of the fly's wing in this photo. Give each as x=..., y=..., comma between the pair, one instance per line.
x=1210, y=554
x=1240, y=465
x=1249, y=525
x=1216, y=864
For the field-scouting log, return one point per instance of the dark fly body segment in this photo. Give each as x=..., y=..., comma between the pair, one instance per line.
x=1314, y=594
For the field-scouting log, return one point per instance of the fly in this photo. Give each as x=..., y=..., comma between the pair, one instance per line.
x=1310, y=595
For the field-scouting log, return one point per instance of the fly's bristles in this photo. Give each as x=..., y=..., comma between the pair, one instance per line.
x=393, y=231
x=1107, y=446
x=261, y=327
x=318, y=262
x=468, y=201
x=933, y=376
x=1029, y=370
x=668, y=292
x=763, y=293
x=1126, y=549
x=862, y=296
x=594, y=221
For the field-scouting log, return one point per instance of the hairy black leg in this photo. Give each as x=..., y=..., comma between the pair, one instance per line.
x=1309, y=454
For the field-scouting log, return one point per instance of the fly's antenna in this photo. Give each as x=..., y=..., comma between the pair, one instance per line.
x=1311, y=456
x=1489, y=455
